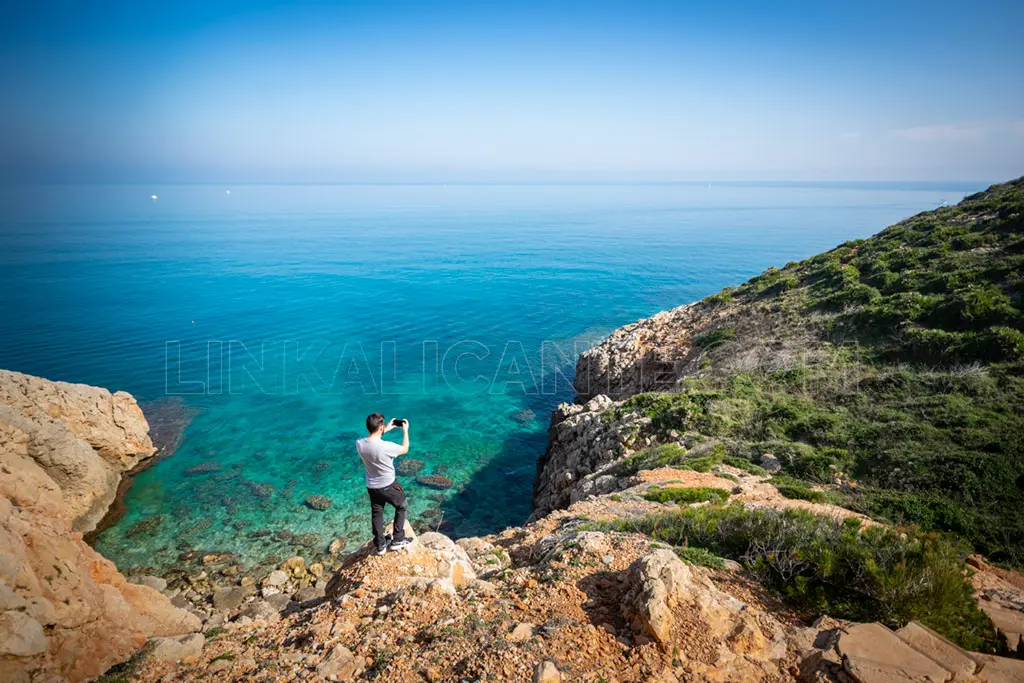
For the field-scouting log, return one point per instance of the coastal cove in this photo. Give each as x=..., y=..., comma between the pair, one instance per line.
x=710, y=506
x=108, y=287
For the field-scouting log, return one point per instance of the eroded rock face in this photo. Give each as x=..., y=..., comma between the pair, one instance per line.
x=584, y=441
x=82, y=437
x=67, y=613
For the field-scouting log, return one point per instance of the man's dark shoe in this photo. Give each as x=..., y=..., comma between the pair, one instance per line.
x=401, y=543
x=384, y=548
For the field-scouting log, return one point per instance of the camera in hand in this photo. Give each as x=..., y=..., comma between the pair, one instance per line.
x=398, y=421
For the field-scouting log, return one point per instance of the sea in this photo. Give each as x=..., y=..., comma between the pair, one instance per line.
x=258, y=325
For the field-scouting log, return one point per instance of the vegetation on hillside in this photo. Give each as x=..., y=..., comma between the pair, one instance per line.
x=834, y=567
x=897, y=361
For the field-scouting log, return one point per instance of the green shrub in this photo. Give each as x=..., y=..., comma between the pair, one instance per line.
x=835, y=567
x=715, y=338
x=745, y=465
x=721, y=299
x=797, y=490
x=686, y=496
x=702, y=557
x=667, y=411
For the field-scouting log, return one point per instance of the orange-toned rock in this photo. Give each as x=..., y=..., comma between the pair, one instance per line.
x=66, y=612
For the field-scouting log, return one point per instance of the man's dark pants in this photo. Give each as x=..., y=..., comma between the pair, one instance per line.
x=389, y=495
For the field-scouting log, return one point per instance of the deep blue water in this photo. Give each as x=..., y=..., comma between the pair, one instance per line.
x=279, y=316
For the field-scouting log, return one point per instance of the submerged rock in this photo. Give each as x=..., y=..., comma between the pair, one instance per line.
x=145, y=526
x=207, y=467
x=409, y=466
x=524, y=417
x=318, y=502
x=307, y=540
x=434, y=481
x=260, y=490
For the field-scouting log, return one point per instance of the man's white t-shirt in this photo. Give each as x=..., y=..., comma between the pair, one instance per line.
x=378, y=458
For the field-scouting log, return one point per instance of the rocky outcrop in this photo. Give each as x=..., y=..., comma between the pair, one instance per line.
x=648, y=355
x=582, y=441
x=66, y=613
x=82, y=437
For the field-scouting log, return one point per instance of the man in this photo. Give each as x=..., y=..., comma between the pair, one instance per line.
x=378, y=458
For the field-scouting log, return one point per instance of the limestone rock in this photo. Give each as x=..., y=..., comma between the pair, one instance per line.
x=296, y=566
x=872, y=653
x=276, y=578
x=928, y=642
x=155, y=582
x=21, y=635
x=309, y=593
x=340, y=664
x=229, y=599
x=83, y=438
x=182, y=648
x=1000, y=669
x=655, y=582
x=484, y=556
x=522, y=631
x=546, y=672
x=62, y=449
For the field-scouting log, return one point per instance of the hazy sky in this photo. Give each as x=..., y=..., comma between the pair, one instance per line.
x=530, y=91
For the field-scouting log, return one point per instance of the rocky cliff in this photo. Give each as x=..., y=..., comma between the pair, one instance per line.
x=82, y=437
x=66, y=613
x=919, y=328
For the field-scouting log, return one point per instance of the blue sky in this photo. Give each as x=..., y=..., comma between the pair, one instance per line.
x=238, y=91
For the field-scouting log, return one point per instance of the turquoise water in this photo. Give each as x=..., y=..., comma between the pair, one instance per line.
x=277, y=317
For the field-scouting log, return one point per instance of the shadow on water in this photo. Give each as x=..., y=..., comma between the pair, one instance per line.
x=500, y=494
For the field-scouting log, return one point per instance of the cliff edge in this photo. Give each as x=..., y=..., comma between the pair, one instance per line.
x=67, y=613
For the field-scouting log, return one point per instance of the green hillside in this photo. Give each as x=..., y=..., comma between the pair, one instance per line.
x=896, y=362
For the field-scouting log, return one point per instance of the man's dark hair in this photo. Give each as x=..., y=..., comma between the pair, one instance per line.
x=374, y=421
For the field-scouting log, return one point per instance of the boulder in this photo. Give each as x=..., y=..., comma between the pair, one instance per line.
x=180, y=649
x=230, y=599
x=484, y=556
x=276, y=578
x=340, y=665
x=770, y=463
x=261, y=609
x=546, y=672
x=660, y=586
x=522, y=631
x=295, y=566
x=655, y=583
x=309, y=593
x=452, y=561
